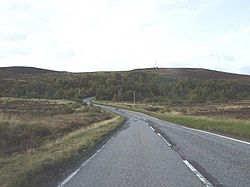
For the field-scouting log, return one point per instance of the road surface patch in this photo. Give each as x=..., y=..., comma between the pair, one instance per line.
x=198, y=174
x=152, y=128
x=79, y=169
x=221, y=136
x=164, y=139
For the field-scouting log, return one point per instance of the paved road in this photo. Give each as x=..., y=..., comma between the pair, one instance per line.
x=88, y=100
x=150, y=152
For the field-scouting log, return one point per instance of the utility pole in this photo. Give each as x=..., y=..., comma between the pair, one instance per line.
x=155, y=63
x=134, y=96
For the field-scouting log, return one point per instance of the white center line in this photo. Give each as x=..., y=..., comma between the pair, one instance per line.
x=164, y=139
x=152, y=128
x=198, y=174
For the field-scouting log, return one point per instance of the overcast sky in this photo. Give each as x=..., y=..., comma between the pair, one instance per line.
x=100, y=35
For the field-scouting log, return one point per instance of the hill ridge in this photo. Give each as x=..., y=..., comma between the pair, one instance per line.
x=198, y=73
x=25, y=70
x=195, y=73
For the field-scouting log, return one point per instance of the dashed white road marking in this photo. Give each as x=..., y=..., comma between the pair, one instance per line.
x=164, y=139
x=198, y=174
x=218, y=135
x=79, y=169
x=152, y=128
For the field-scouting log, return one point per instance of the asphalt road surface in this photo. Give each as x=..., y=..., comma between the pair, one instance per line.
x=150, y=152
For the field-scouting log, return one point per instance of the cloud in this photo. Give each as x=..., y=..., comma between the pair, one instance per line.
x=177, y=5
x=221, y=57
x=15, y=53
x=246, y=70
x=225, y=39
x=222, y=62
x=82, y=35
x=13, y=37
x=24, y=16
x=228, y=57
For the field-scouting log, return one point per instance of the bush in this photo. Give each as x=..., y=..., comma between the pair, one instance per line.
x=152, y=109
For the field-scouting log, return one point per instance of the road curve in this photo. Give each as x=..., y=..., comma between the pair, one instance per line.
x=151, y=152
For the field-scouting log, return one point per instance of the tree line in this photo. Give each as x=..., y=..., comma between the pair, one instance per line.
x=120, y=86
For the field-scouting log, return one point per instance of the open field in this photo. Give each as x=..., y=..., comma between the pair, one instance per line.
x=232, y=119
x=42, y=136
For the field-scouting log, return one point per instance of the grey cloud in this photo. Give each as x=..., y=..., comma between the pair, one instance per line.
x=220, y=57
x=19, y=6
x=228, y=58
x=16, y=52
x=215, y=57
x=20, y=52
x=65, y=55
x=246, y=70
x=70, y=54
x=147, y=25
x=191, y=5
x=26, y=17
x=13, y=37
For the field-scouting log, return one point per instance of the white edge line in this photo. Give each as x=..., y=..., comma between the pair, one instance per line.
x=198, y=174
x=70, y=177
x=221, y=136
x=152, y=128
x=164, y=139
x=155, y=118
x=78, y=169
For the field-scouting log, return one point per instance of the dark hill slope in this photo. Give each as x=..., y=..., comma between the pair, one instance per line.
x=197, y=73
x=20, y=70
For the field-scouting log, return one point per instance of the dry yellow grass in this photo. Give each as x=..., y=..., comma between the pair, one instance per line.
x=25, y=125
x=21, y=167
x=34, y=141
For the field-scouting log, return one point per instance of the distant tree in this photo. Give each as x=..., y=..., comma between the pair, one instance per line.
x=59, y=94
x=49, y=91
x=17, y=89
x=193, y=97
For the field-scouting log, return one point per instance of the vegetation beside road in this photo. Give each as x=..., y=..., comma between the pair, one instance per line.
x=171, y=86
x=34, y=142
x=34, y=132
x=223, y=124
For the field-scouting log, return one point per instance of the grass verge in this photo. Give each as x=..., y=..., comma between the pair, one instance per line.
x=22, y=169
x=39, y=139
x=231, y=127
